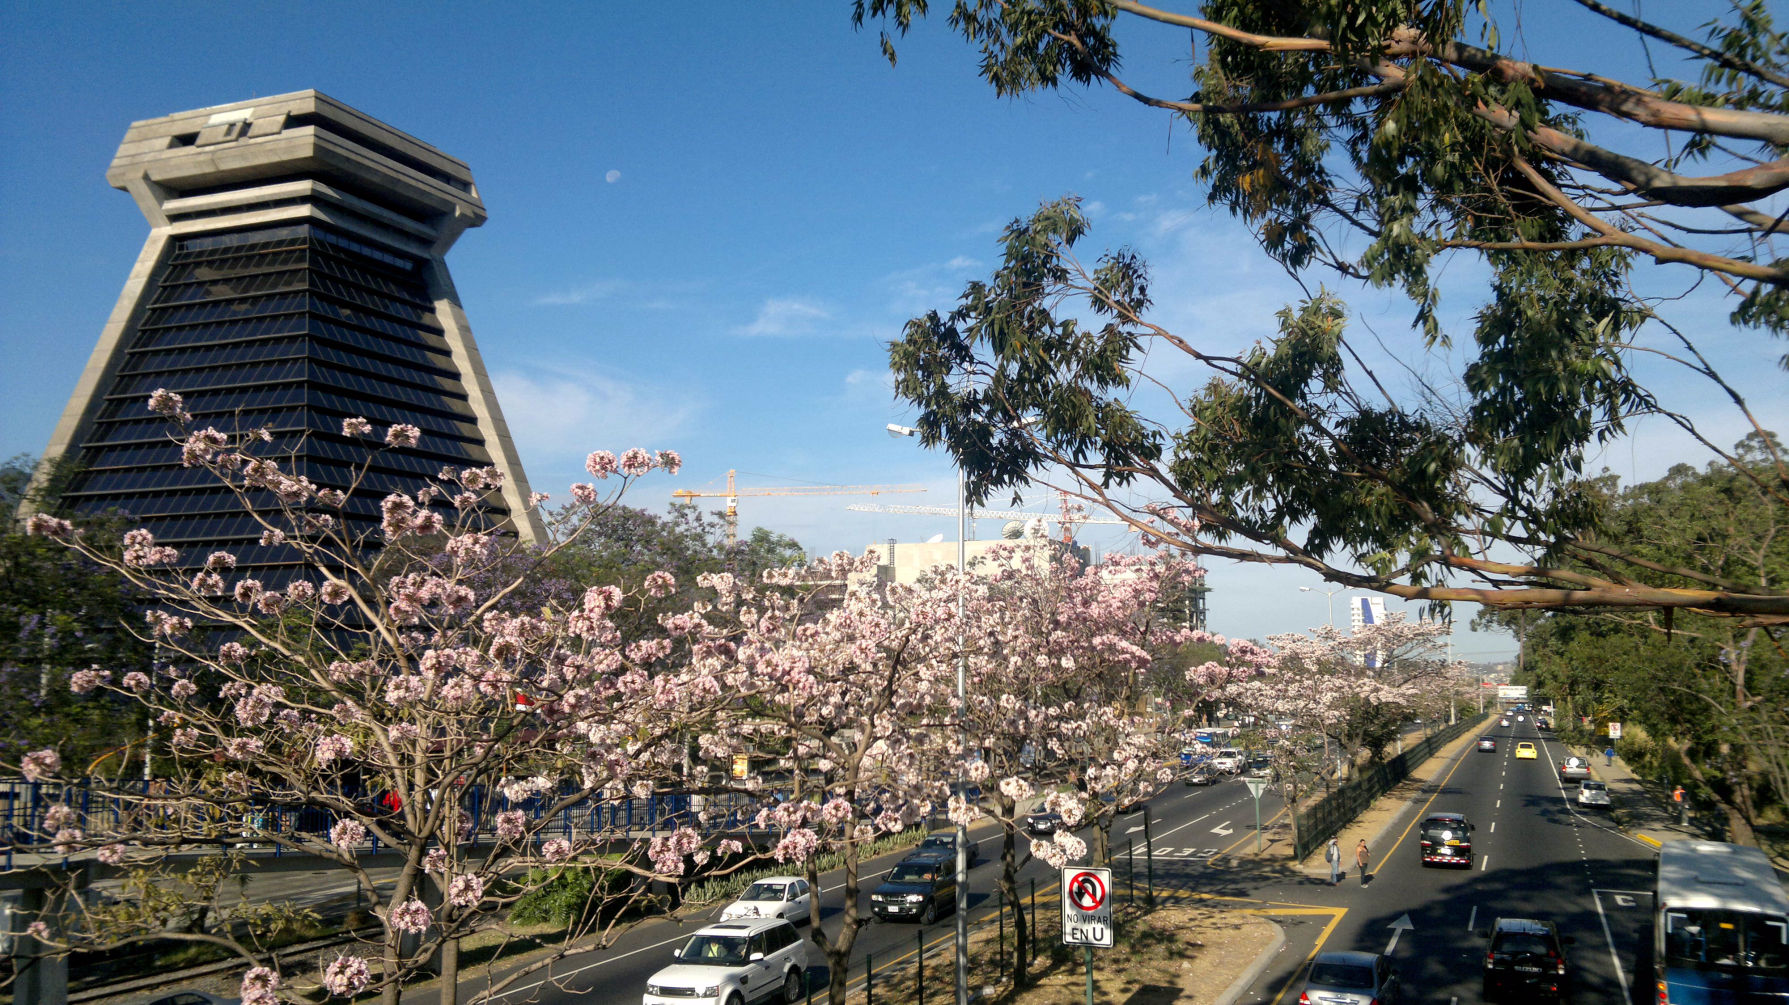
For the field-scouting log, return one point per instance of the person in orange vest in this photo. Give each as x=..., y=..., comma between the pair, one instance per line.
x=1683, y=808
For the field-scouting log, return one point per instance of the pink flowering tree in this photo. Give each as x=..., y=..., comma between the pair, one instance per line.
x=1058, y=656
x=378, y=708
x=1354, y=690
x=842, y=693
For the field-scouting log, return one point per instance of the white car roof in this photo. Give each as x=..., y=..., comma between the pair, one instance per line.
x=739, y=926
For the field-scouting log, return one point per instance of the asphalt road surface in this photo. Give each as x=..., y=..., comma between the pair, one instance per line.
x=1190, y=826
x=1536, y=855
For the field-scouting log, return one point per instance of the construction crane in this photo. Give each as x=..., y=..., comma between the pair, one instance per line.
x=733, y=493
x=974, y=514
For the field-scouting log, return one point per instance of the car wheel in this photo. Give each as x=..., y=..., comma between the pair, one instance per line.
x=931, y=914
x=734, y=999
x=793, y=990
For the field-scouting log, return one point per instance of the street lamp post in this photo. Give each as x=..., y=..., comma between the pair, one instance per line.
x=1329, y=595
x=962, y=919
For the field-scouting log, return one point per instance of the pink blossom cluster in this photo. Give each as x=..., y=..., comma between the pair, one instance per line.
x=346, y=976
x=166, y=403
x=412, y=917
x=84, y=681
x=466, y=891
x=260, y=986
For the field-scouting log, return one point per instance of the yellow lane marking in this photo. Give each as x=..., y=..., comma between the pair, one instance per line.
x=1322, y=937
x=1655, y=842
x=1458, y=760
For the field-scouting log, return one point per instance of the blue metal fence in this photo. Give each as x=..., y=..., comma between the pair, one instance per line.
x=25, y=805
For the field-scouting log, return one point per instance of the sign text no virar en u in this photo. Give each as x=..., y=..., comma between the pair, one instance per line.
x=1086, y=906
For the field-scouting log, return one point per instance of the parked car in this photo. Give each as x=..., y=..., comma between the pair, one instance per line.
x=1227, y=760
x=735, y=962
x=1593, y=794
x=918, y=889
x=787, y=897
x=1526, y=957
x=1043, y=823
x=1526, y=752
x=1446, y=839
x=1351, y=978
x=946, y=842
x=1487, y=743
x=1574, y=769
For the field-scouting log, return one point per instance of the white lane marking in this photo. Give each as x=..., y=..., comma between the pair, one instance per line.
x=1183, y=826
x=1472, y=922
x=1483, y=862
x=1223, y=829
x=1500, y=804
x=1398, y=927
x=1135, y=829
x=1614, y=957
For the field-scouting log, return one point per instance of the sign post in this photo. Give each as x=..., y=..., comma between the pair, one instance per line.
x=1614, y=730
x=1087, y=912
x=1256, y=787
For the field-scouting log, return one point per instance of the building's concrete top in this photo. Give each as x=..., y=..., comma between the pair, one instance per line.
x=303, y=134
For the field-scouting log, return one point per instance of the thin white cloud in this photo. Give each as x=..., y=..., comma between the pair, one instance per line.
x=787, y=316
x=563, y=413
x=962, y=262
x=600, y=289
x=865, y=386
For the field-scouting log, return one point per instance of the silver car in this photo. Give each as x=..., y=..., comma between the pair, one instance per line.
x=1345, y=978
x=1593, y=794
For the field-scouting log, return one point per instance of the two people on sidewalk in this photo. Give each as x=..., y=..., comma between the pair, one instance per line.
x=1362, y=859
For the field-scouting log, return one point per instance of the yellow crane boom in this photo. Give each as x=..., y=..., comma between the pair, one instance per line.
x=734, y=492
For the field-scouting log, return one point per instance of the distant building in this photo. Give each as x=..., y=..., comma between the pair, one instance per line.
x=906, y=562
x=1363, y=611
x=294, y=275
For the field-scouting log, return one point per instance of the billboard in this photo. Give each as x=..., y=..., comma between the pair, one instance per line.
x=1512, y=692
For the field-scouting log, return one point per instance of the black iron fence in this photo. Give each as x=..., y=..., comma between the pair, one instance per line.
x=1333, y=812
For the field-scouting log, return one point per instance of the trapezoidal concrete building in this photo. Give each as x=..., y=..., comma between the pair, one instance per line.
x=294, y=275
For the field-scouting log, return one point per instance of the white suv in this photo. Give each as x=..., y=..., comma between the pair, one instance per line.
x=1228, y=761
x=735, y=963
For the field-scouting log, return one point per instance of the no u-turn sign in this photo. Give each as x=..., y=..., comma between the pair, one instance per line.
x=1086, y=907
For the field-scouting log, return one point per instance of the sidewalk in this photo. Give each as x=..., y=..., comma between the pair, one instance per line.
x=1642, y=807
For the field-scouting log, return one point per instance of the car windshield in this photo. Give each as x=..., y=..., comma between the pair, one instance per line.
x=1522, y=944
x=1342, y=975
x=1591, y=786
x=764, y=891
x=908, y=873
x=945, y=841
x=714, y=951
x=1756, y=943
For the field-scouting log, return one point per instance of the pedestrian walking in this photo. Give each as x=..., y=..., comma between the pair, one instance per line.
x=1608, y=756
x=1333, y=855
x=1361, y=859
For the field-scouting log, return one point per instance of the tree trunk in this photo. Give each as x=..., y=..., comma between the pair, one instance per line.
x=1009, y=888
x=837, y=953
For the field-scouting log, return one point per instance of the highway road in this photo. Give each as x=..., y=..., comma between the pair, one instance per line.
x=1190, y=826
x=1536, y=855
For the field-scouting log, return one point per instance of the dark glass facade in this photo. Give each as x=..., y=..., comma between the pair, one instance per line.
x=290, y=327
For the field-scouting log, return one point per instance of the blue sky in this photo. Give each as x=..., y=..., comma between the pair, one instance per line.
x=705, y=223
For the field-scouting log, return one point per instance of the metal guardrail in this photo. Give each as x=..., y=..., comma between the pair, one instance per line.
x=1335, y=811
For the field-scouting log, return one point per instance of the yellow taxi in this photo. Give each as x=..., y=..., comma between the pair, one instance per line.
x=1526, y=752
